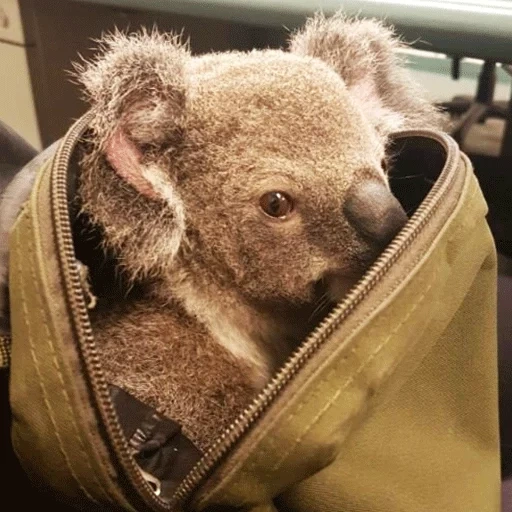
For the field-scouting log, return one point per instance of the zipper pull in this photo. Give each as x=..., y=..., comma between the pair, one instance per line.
x=90, y=299
x=153, y=482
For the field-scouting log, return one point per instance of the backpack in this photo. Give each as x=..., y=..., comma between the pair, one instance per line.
x=389, y=405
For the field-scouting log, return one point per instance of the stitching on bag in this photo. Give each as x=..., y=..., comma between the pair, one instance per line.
x=270, y=445
x=347, y=383
x=271, y=448
x=56, y=364
x=37, y=367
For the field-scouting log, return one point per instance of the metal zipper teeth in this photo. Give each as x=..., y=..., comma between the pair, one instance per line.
x=5, y=351
x=79, y=311
x=321, y=334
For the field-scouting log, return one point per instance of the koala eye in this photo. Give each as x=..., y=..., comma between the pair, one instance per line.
x=276, y=204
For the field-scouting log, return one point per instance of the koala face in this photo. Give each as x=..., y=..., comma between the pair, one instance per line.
x=259, y=174
x=266, y=195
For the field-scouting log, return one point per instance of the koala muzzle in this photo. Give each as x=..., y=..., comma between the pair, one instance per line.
x=374, y=212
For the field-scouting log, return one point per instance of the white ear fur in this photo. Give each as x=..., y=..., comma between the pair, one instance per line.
x=383, y=118
x=149, y=180
x=166, y=191
x=364, y=53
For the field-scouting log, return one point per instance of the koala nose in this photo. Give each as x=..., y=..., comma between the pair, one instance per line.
x=374, y=212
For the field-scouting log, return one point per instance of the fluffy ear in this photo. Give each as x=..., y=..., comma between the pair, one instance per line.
x=137, y=89
x=364, y=53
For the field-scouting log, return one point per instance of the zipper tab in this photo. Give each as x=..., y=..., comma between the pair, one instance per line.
x=92, y=300
x=153, y=482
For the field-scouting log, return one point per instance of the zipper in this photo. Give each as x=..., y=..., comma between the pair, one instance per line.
x=73, y=279
x=321, y=334
x=5, y=352
x=78, y=306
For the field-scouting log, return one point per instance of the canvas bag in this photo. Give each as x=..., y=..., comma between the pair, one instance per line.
x=390, y=405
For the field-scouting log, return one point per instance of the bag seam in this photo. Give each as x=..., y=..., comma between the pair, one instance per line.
x=46, y=401
x=57, y=366
x=270, y=447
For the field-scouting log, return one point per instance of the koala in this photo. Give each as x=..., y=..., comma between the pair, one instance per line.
x=241, y=194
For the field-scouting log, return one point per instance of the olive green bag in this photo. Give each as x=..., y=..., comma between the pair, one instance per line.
x=390, y=405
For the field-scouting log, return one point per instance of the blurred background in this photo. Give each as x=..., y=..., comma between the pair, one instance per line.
x=461, y=52
x=40, y=38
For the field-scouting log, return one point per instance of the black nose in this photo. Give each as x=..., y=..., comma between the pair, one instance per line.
x=374, y=212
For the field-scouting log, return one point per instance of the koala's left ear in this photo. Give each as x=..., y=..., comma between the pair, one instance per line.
x=364, y=53
x=137, y=88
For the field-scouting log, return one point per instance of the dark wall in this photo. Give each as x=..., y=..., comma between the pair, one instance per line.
x=57, y=31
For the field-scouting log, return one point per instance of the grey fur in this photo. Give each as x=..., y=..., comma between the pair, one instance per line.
x=181, y=150
x=194, y=141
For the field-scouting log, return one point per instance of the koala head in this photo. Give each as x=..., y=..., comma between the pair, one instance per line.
x=260, y=173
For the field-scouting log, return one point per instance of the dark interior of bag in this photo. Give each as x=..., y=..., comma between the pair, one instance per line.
x=416, y=163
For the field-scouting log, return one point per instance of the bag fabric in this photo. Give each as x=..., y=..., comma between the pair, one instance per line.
x=434, y=445
x=397, y=410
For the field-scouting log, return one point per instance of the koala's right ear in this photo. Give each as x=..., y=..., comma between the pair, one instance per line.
x=364, y=53
x=137, y=89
